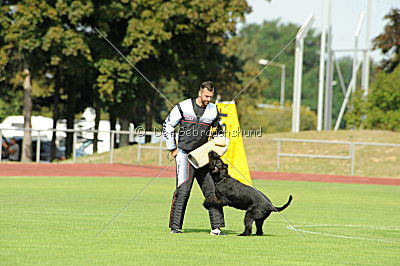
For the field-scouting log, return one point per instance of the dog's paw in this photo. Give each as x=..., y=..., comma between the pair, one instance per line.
x=259, y=233
x=244, y=234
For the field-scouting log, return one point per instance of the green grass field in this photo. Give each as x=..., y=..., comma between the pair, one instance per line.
x=55, y=220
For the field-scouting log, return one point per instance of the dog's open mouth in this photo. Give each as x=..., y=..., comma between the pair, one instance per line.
x=215, y=170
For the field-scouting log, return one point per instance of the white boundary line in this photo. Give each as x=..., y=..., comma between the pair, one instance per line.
x=346, y=225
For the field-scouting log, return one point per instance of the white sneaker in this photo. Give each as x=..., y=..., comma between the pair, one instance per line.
x=176, y=231
x=217, y=232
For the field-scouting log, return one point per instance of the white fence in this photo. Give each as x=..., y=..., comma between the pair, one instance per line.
x=351, y=150
x=113, y=135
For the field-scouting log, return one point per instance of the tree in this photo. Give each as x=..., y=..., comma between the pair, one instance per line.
x=389, y=41
x=382, y=108
x=22, y=23
x=169, y=41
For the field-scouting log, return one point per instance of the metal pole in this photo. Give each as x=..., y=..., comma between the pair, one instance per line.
x=299, y=82
x=353, y=157
x=112, y=147
x=73, y=147
x=356, y=35
x=298, y=72
x=38, y=147
x=326, y=7
x=160, y=154
x=365, y=81
x=139, y=152
x=278, y=163
x=327, y=70
x=295, y=87
x=283, y=75
x=328, y=84
x=346, y=99
x=339, y=72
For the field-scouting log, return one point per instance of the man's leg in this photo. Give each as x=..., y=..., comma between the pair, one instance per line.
x=207, y=186
x=184, y=182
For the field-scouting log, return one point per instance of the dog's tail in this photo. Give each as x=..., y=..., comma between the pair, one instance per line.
x=279, y=209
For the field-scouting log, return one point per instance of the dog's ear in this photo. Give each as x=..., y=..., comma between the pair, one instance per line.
x=211, y=164
x=222, y=165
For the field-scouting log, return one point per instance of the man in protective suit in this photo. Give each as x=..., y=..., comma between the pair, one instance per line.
x=196, y=117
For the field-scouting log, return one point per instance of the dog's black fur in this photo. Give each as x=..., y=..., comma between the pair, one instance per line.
x=230, y=192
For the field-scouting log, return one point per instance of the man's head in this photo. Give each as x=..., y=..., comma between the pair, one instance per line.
x=206, y=92
x=13, y=141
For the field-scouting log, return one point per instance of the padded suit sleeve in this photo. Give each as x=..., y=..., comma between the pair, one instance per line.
x=169, y=127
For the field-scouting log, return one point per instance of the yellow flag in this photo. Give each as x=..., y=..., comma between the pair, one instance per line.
x=236, y=154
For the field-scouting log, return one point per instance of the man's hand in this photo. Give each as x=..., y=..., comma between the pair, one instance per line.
x=174, y=152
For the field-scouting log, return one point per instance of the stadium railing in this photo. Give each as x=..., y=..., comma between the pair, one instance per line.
x=37, y=135
x=351, y=150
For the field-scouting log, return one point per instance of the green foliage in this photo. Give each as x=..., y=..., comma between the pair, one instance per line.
x=171, y=42
x=180, y=40
x=384, y=102
x=381, y=110
x=11, y=104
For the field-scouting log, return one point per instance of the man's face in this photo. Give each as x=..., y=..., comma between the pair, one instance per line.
x=205, y=96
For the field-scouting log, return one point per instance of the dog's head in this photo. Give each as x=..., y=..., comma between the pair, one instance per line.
x=216, y=164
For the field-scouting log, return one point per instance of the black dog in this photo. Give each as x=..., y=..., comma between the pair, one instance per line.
x=230, y=192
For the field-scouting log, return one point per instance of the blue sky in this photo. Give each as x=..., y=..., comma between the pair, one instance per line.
x=345, y=15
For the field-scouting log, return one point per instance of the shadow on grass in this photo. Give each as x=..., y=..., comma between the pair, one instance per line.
x=226, y=231
x=190, y=230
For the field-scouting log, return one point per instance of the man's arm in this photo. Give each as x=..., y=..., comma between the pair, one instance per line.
x=12, y=149
x=169, y=128
x=217, y=123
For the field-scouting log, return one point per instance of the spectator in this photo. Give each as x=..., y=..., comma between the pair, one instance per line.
x=4, y=150
x=13, y=150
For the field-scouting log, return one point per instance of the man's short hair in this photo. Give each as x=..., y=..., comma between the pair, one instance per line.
x=208, y=85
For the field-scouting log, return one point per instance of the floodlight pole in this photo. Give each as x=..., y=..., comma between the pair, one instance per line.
x=298, y=69
x=355, y=59
x=283, y=76
x=327, y=99
x=326, y=7
x=365, y=71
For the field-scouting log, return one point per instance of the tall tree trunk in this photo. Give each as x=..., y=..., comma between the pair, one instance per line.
x=124, y=138
x=27, y=140
x=96, y=126
x=70, y=120
x=56, y=100
x=149, y=117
